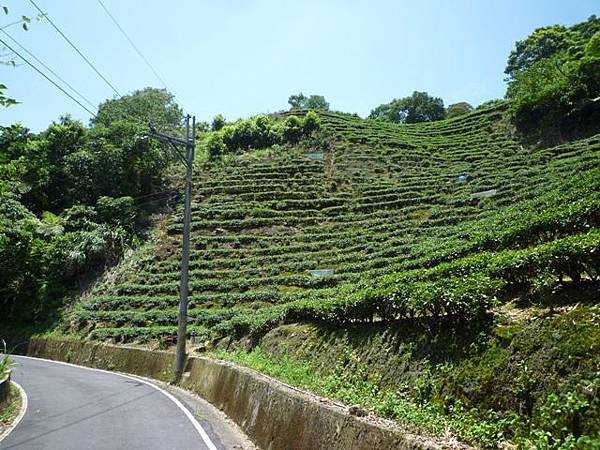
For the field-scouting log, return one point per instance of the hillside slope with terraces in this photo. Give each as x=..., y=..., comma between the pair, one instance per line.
x=382, y=201
x=443, y=264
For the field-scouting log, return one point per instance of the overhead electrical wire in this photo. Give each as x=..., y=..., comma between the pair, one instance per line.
x=47, y=17
x=11, y=24
x=137, y=50
x=46, y=76
x=66, y=83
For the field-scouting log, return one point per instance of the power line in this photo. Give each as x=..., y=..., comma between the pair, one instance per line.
x=49, y=69
x=137, y=50
x=12, y=23
x=46, y=77
x=75, y=48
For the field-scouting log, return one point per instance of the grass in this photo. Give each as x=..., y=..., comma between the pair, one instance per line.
x=355, y=388
x=475, y=384
x=11, y=409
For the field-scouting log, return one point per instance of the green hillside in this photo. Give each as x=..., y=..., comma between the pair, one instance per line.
x=461, y=275
x=385, y=211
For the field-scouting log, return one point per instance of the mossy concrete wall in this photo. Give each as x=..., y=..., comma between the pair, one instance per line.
x=154, y=364
x=275, y=416
x=4, y=389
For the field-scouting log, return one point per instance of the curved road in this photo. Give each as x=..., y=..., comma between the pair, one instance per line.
x=72, y=407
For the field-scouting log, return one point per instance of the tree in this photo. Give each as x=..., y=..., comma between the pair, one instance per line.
x=149, y=105
x=541, y=44
x=554, y=82
x=300, y=101
x=297, y=101
x=317, y=102
x=218, y=122
x=458, y=109
x=419, y=107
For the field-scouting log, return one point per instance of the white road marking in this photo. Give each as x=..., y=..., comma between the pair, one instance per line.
x=188, y=414
x=21, y=413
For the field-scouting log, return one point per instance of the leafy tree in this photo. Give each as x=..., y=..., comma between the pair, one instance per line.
x=458, y=109
x=260, y=132
x=297, y=101
x=149, y=105
x=66, y=203
x=218, y=122
x=215, y=146
x=541, y=44
x=300, y=101
x=419, y=107
x=317, y=102
x=554, y=87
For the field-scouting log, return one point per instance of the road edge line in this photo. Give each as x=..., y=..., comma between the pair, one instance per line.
x=209, y=443
x=24, y=403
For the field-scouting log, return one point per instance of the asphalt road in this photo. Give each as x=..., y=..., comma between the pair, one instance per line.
x=71, y=407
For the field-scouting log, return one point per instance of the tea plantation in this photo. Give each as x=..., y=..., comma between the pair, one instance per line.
x=436, y=219
x=444, y=265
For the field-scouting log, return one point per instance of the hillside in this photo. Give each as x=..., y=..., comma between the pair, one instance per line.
x=437, y=244
x=384, y=199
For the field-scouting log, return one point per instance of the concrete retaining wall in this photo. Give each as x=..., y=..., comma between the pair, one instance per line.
x=275, y=416
x=154, y=364
x=4, y=389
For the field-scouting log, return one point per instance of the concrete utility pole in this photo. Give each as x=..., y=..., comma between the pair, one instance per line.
x=189, y=145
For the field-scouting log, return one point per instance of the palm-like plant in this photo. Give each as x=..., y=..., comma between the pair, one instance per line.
x=6, y=362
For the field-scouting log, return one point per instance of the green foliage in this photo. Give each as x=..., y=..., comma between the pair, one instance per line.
x=458, y=109
x=293, y=128
x=149, y=105
x=218, y=122
x=361, y=387
x=554, y=84
x=120, y=212
x=4, y=100
x=260, y=132
x=215, y=146
x=67, y=200
x=312, y=122
x=6, y=362
x=316, y=102
x=409, y=247
x=543, y=43
x=419, y=107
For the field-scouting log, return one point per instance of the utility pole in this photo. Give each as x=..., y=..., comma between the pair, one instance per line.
x=189, y=145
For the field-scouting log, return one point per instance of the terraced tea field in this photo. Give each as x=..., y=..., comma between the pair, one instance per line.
x=442, y=218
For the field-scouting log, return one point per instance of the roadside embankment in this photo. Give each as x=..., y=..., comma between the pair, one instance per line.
x=274, y=415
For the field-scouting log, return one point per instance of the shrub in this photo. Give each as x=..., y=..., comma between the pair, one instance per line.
x=292, y=129
x=261, y=132
x=312, y=123
x=215, y=146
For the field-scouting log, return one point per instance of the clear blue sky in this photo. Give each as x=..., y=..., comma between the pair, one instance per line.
x=240, y=58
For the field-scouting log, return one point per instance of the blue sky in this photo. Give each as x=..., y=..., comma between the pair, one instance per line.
x=240, y=58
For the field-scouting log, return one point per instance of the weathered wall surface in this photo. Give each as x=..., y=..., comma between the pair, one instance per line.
x=4, y=389
x=274, y=415
x=154, y=364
